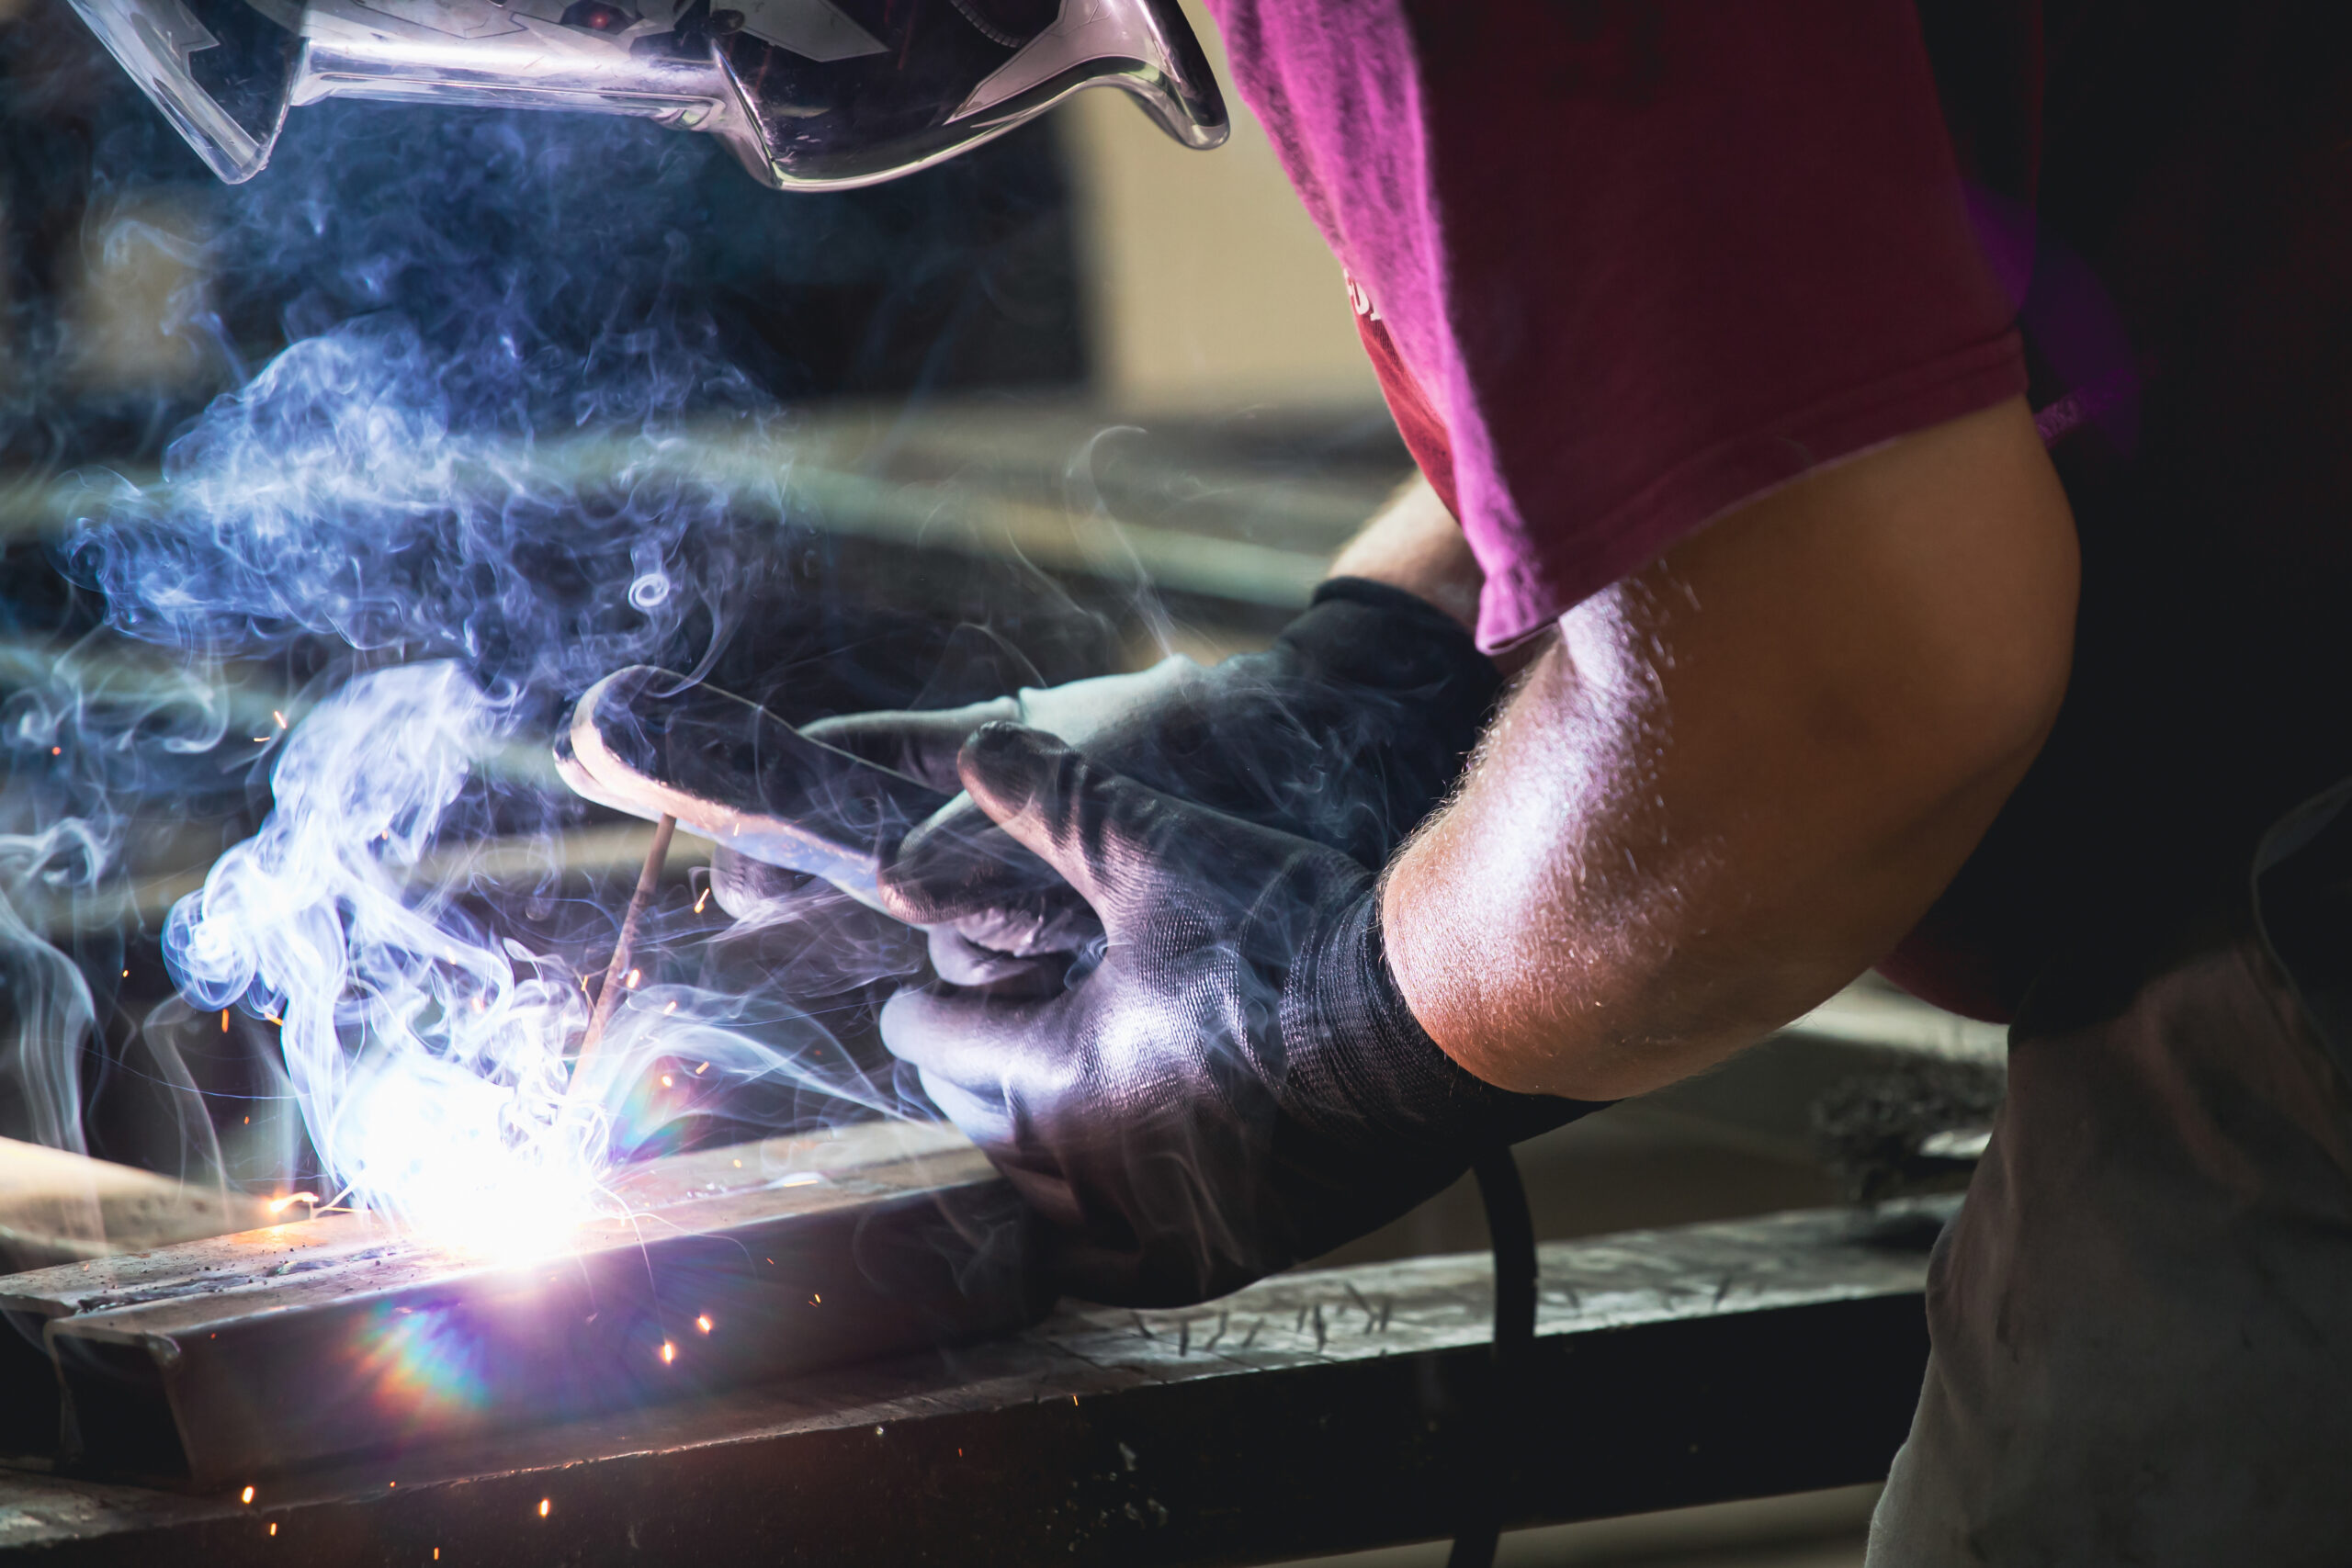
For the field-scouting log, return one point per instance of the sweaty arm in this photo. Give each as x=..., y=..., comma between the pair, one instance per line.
x=1413, y=543
x=1740, y=775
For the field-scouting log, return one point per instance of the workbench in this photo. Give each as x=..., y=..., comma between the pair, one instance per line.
x=1318, y=1411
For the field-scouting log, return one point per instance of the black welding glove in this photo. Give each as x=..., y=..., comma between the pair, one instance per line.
x=1236, y=1085
x=1347, y=731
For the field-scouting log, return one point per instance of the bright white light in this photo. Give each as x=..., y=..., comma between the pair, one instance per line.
x=463, y=1160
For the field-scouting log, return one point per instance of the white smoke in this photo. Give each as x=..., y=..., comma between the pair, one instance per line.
x=449, y=526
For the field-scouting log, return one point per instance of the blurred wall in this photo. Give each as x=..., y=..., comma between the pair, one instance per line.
x=1208, y=286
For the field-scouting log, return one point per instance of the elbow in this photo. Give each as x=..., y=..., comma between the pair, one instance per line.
x=1992, y=664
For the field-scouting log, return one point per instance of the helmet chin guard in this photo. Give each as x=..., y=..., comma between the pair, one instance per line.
x=811, y=95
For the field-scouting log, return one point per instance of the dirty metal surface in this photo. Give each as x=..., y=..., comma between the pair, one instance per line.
x=271, y=1350
x=1316, y=1412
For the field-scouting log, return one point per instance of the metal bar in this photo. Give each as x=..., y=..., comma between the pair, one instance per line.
x=1322, y=1411
x=618, y=971
x=250, y=1355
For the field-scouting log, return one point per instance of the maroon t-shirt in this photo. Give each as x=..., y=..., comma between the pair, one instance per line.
x=1625, y=263
x=1622, y=267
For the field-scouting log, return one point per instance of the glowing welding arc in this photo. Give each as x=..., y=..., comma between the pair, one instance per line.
x=277, y=1205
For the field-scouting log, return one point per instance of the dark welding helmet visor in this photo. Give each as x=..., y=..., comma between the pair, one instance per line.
x=810, y=94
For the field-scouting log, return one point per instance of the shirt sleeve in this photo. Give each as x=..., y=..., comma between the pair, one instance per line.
x=1643, y=260
x=1689, y=251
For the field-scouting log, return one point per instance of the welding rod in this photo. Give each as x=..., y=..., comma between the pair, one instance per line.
x=616, y=972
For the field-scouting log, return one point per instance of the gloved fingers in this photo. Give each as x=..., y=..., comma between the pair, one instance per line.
x=958, y=868
x=975, y=966
x=987, y=1049
x=1106, y=834
x=922, y=744
x=1059, y=928
x=1080, y=712
x=981, y=1114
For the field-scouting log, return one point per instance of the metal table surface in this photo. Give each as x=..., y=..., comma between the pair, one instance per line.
x=1318, y=1411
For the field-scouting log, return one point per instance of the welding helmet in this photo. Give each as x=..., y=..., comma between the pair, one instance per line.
x=809, y=94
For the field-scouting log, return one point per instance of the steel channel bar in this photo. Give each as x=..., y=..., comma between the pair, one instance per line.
x=1317, y=1412
x=254, y=1354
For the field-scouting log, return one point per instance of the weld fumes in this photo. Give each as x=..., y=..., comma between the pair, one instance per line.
x=379, y=488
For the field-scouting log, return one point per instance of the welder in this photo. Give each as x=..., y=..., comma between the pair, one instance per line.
x=1895, y=448
x=1903, y=446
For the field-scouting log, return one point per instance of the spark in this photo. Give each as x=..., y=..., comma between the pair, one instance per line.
x=278, y=716
x=543, y=1508
x=669, y=1352
x=704, y=1068
x=273, y=1528
x=666, y=1080
x=671, y=1009
x=480, y=1006
x=246, y=1497
x=261, y=739
x=277, y=1204
x=701, y=902
x=224, y=1020
x=703, y=1322
x=57, y=750
x=631, y=981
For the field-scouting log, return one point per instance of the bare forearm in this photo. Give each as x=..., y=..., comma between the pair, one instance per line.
x=1740, y=776
x=1413, y=543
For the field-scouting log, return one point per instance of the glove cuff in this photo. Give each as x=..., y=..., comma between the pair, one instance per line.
x=1352, y=1045
x=1369, y=634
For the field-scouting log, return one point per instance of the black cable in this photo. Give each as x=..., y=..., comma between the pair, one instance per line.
x=1494, y=1427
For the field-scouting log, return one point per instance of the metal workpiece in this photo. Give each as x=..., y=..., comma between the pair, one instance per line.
x=1320, y=1411
x=266, y=1351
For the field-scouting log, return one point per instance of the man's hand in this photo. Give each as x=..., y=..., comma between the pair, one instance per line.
x=1347, y=731
x=1236, y=1085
